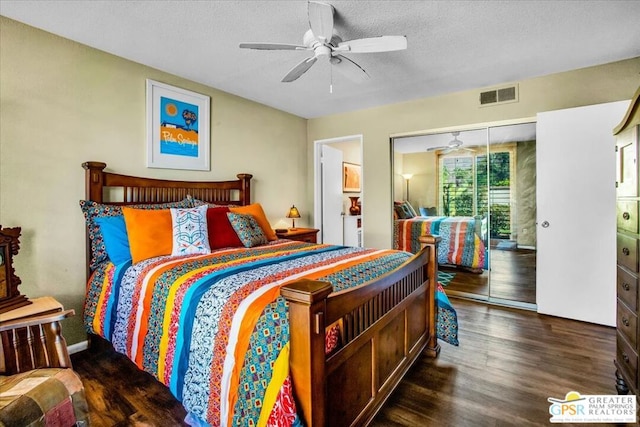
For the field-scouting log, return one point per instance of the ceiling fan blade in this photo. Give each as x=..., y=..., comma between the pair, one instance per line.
x=321, y=20
x=349, y=68
x=272, y=46
x=374, y=44
x=299, y=69
x=437, y=148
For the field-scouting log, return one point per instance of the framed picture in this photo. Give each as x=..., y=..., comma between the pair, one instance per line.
x=177, y=128
x=350, y=178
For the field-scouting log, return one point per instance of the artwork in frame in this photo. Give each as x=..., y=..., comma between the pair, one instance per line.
x=178, y=123
x=350, y=177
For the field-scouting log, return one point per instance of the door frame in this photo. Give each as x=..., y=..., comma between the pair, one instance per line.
x=317, y=176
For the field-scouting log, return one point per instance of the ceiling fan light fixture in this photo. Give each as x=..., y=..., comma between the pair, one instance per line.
x=454, y=145
x=455, y=140
x=324, y=42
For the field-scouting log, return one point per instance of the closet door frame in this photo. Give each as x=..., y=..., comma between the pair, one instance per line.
x=470, y=127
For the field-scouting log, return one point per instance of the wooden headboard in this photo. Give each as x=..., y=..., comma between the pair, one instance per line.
x=129, y=190
x=138, y=190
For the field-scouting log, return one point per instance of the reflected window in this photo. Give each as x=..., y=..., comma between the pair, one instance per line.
x=468, y=186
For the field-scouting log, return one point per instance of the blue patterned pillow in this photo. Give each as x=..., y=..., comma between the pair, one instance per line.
x=247, y=229
x=116, y=240
x=93, y=210
x=190, y=235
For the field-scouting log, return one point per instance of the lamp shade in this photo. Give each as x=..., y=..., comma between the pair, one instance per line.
x=293, y=212
x=407, y=176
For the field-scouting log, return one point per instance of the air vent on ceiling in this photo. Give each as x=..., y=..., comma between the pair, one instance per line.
x=499, y=96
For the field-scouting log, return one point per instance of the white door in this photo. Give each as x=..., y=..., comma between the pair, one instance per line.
x=576, y=213
x=332, y=209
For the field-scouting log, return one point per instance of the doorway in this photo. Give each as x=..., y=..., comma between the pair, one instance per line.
x=475, y=187
x=333, y=158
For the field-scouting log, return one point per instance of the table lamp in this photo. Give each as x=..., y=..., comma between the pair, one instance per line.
x=293, y=214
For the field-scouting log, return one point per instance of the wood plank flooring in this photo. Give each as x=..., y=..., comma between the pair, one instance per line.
x=508, y=363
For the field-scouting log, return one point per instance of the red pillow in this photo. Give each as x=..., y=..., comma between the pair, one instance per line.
x=221, y=233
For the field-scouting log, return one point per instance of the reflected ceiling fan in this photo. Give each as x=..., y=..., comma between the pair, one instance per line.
x=454, y=145
x=323, y=41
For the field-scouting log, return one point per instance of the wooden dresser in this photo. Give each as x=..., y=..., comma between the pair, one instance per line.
x=628, y=250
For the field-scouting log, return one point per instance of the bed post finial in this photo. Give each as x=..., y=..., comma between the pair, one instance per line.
x=93, y=180
x=245, y=196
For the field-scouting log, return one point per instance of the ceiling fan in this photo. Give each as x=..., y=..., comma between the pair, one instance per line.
x=322, y=39
x=454, y=145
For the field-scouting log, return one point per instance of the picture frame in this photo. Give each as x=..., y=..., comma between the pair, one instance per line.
x=351, y=177
x=178, y=122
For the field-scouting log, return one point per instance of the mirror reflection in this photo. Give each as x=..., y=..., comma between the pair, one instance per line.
x=474, y=188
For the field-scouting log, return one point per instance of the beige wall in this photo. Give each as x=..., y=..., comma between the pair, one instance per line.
x=422, y=185
x=63, y=103
x=594, y=85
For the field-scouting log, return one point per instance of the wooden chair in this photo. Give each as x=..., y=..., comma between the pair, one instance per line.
x=38, y=385
x=33, y=342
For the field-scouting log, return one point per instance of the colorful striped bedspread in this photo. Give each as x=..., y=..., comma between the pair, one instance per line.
x=460, y=244
x=214, y=329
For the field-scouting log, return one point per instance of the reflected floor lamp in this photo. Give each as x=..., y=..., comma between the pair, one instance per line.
x=407, y=177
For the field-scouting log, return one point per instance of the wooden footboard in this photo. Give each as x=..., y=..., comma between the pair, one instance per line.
x=385, y=326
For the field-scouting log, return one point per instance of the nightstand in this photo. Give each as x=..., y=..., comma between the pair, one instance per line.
x=301, y=234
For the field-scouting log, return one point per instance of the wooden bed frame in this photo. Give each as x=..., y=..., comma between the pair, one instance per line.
x=385, y=325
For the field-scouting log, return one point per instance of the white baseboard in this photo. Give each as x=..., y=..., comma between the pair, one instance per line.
x=78, y=347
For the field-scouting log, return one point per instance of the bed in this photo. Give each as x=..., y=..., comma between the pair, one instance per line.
x=322, y=337
x=462, y=244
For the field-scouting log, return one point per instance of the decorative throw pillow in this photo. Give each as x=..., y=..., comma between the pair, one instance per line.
x=431, y=211
x=92, y=210
x=190, y=234
x=198, y=202
x=255, y=209
x=401, y=211
x=116, y=240
x=150, y=232
x=410, y=209
x=221, y=233
x=247, y=229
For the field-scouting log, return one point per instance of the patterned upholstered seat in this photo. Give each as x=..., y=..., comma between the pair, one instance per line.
x=43, y=397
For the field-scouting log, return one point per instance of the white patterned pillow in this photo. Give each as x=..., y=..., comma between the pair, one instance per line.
x=190, y=235
x=247, y=229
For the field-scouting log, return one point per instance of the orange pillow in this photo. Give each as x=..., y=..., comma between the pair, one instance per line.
x=150, y=232
x=255, y=210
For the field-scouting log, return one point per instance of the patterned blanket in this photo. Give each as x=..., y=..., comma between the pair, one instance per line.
x=214, y=329
x=460, y=244
x=43, y=397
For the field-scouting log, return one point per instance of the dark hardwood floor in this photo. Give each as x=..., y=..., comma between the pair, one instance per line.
x=508, y=363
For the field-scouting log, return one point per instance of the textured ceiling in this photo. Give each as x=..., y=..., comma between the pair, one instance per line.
x=452, y=45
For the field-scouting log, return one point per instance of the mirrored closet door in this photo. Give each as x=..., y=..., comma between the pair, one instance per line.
x=475, y=188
